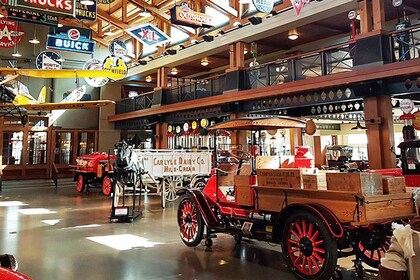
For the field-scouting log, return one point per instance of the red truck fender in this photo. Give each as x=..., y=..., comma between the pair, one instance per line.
x=8, y=274
x=329, y=218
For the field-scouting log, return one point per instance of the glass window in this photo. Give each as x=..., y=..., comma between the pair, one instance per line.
x=63, y=148
x=12, y=148
x=86, y=143
x=37, y=148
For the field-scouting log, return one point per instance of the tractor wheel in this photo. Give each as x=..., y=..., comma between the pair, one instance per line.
x=309, y=249
x=106, y=186
x=190, y=222
x=81, y=185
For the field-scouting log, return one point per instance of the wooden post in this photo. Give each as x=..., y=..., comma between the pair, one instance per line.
x=162, y=77
x=240, y=55
x=380, y=131
x=295, y=139
x=378, y=7
x=232, y=56
x=319, y=156
x=365, y=16
x=161, y=137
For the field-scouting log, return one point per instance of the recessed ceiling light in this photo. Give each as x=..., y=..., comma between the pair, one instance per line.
x=293, y=35
x=148, y=79
x=204, y=62
x=174, y=71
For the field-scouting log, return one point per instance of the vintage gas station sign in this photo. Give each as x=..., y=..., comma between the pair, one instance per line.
x=116, y=65
x=31, y=16
x=71, y=39
x=54, y=7
x=264, y=6
x=48, y=60
x=298, y=5
x=85, y=12
x=184, y=15
x=94, y=64
x=148, y=34
x=118, y=48
x=10, y=33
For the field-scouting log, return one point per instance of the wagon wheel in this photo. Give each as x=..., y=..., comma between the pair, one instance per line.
x=373, y=248
x=310, y=251
x=106, y=186
x=172, y=185
x=199, y=183
x=190, y=222
x=81, y=185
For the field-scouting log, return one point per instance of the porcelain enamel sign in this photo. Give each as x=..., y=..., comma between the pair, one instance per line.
x=10, y=33
x=149, y=35
x=298, y=5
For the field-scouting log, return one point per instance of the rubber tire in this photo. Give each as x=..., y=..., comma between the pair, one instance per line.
x=330, y=246
x=106, y=185
x=199, y=183
x=81, y=186
x=198, y=235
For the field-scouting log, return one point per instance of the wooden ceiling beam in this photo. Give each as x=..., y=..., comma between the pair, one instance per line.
x=153, y=10
x=109, y=18
x=124, y=10
x=228, y=10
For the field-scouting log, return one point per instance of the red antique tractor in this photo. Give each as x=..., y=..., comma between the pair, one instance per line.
x=94, y=170
x=315, y=227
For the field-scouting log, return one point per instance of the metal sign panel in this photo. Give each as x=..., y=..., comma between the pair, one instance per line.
x=54, y=7
x=85, y=12
x=31, y=16
x=71, y=39
x=95, y=64
x=298, y=5
x=148, y=34
x=116, y=65
x=10, y=33
x=264, y=6
x=48, y=60
x=118, y=48
x=183, y=15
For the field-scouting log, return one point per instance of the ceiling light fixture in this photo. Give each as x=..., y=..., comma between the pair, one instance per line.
x=245, y=51
x=60, y=25
x=87, y=2
x=34, y=40
x=237, y=24
x=174, y=71
x=16, y=54
x=204, y=61
x=145, y=13
x=293, y=35
x=194, y=41
x=148, y=79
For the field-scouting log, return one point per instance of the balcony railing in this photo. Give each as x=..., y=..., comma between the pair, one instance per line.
x=406, y=42
x=200, y=89
x=314, y=64
x=140, y=102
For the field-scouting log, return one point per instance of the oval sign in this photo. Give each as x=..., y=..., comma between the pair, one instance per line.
x=186, y=127
x=94, y=64
x=310, y=127
x=406, y=105
x=416, y=121
x=117, y=66
x=11, y=33
x=73, y=34
x=263, y=6
x=170, y=128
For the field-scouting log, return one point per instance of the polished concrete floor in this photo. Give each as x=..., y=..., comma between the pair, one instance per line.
x=61, y=234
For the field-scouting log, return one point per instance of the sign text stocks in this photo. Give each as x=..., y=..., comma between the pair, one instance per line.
x=179, y=165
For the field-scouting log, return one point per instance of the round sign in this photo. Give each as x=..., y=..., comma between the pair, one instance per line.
x=352, y=14
x=170, y=128
x=73, y=34
x=272, y=132
x=416, y=121
x=94, y=64
x=204, y=123
x=118, y=48
x=48, y=60
x=263, y=6
x=186, y=127
x=178, y=129
x=117, y=66
x=310, y=127
x=11, y=33
x=406, y=105
x=396, y=3
x=194, y=125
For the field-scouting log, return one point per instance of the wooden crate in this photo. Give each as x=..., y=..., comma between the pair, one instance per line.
x=394, y=184
x=267, y=162
x=244, y=195
x=270, y=199
x=314, y=181
x=361, y=183
x=282, y=178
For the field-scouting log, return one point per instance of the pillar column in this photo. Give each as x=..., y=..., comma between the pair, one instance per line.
x=365, y=16
x=161, y=136
x=295, y=139
x=318, y=155
x=162, y=77
x=378, y=7
x=380, y=131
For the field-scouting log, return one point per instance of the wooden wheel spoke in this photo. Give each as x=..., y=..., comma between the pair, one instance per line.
x=319, y=242
x=294, y=233
x=311, y=228
x=315, y=262
x=310, y=265
x=319, y=250
x=318, y=257
x=304, y=262
x=295, y=262
x=299, y=229
x=315, y=236
x=293, y=242
x=304, y=228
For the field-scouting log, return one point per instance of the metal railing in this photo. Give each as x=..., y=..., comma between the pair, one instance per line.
x=200, y=89
x=140, y=102
x=406, y=42
x=322, y=62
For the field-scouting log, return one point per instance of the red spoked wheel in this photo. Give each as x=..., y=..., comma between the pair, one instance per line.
x=106, y=186
x=309, y=249
x=373, y=249
x=190, y=222
x=80, y=187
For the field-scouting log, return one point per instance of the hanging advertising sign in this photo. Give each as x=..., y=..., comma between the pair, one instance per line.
x=406, y=105
x=148, y=34
x=116, y=65
x=53, y=7
x=48, y=60
x=85, y=12
x=94, y=64
x=184, y=15
x=10, y=33
x=31, y=16
x=71, y=39
x=298, y=5
x=264, y=6
x=118, y=48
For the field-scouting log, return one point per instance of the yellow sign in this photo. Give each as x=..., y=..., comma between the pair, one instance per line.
x=117, y=66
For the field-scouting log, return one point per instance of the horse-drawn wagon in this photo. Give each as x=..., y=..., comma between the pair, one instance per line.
x=315, y=227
